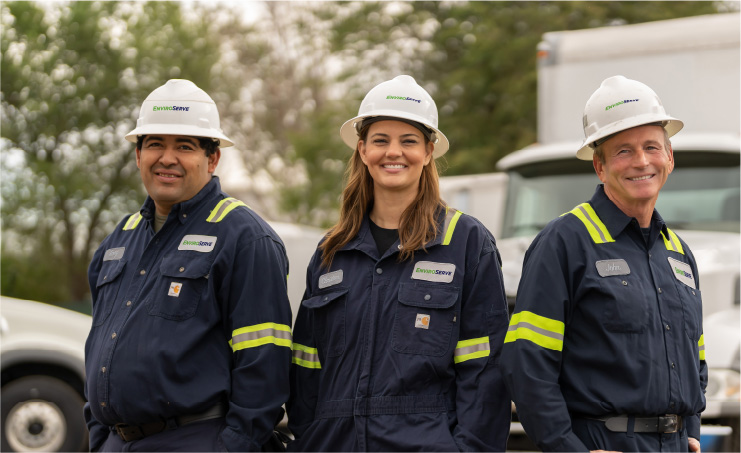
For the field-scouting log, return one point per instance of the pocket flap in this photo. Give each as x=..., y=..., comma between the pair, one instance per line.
x=323, y=299
x=180, y=266
x=427, y=296
x=109, y=271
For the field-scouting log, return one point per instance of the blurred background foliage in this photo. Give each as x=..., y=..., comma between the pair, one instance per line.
x=285, y=75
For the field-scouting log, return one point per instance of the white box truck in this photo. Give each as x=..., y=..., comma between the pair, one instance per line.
x=693, y=65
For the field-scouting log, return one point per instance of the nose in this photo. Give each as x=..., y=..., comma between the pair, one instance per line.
x=640, y=159
x=394, y=149
x=168, y=156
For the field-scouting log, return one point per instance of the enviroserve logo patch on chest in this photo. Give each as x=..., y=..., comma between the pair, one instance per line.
x=197, y=243
x=434, y=272
x=682, y=272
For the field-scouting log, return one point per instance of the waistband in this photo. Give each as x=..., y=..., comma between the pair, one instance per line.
x=130, y=433
x=385, y=405
x=669, y=423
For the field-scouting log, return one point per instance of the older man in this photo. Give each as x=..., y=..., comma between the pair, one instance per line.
x=191, y=342
x=605, y=348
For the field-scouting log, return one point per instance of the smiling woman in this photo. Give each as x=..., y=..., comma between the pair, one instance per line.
x=438, y=387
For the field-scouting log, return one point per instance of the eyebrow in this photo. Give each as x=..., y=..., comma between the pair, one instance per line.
x=410, y=134
x=188, y=140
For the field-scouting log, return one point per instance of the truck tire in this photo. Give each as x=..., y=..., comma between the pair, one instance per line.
x=42, y=413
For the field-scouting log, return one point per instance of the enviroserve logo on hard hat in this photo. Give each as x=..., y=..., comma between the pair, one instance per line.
x=404, y=98
x=621, y=103
x=158, y=108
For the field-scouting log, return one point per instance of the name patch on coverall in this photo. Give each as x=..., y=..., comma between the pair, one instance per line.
x=682, y=272
x=607, y=268
x=198, y=243
x=114, y=254
x=330, y=279
x=433, y=272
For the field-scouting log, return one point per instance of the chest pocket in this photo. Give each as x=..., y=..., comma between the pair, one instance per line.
x=180, y=286
x=626, y=307
x=109, y=281
x=328, y=310
x=691, y=309
x=425, y=318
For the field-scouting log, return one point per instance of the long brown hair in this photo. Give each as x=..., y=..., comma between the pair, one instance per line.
x=418, y=223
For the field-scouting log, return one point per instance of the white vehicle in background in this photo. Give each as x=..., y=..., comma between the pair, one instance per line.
x=43, y=373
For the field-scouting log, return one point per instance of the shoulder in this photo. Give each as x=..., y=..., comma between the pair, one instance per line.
x=234, y=217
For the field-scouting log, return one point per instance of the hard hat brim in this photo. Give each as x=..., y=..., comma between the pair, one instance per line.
x=350, y=136
x=178, y=129
x=672, y=126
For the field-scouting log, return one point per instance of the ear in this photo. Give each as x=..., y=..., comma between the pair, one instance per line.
x=361, y=151
x=138, y=158
x=430, y=149
x=671, y=158
x=213, y=160
x=599, y=167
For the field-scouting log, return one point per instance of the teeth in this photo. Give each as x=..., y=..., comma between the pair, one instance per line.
x=640, y=178
x=393, y=166
x=166, y=176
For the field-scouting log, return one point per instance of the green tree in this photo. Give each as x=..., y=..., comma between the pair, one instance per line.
x=73, y=78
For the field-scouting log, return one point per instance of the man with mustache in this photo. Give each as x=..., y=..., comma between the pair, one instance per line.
x=191, y=341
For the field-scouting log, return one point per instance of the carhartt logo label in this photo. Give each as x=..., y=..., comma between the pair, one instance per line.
x=330, y=279
x=434, y=272
x=114, y=254
x=197, y=243
x=422, y=322
x=175, y=289
x=682, y=272
x=607, y=268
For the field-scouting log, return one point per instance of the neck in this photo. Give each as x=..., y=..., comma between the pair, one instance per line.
x=162, y=210
x=388, y=208
x=641, y=210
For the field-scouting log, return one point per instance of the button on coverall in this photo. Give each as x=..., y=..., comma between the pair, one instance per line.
x=398, y=356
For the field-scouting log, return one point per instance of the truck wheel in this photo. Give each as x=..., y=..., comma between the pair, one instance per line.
x=41, y=413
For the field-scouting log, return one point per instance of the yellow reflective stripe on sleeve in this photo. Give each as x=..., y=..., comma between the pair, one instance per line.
x=672, y=242
x=451, y=219
x=471, y=349
x=133, y=221
x=305, y=356
x=545, y=332
x=701, y=345
x=597, y=229
x=260, y=334
x=224, y=207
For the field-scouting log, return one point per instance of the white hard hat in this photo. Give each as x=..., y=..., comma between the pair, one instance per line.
x=179, y=107
x=399, y=97
x=620, y=104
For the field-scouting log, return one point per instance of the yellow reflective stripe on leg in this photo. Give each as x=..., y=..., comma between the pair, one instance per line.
x=701, y=345
x=545, y=332
x=260, y=334
x=305, y=356
x=597, y=230
x=672, y=242
x=133, y=221
x=471, y=349
x=451, y=219
x=224, y=207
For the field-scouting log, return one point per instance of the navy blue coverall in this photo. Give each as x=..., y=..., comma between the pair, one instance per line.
x=606, y=325
x=398, y=356
x=193, y=316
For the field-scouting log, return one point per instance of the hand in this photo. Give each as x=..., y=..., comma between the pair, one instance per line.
x=694, y=444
